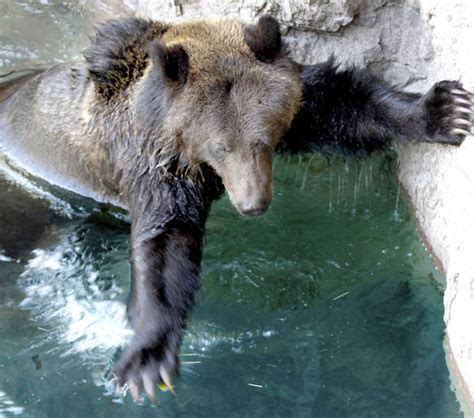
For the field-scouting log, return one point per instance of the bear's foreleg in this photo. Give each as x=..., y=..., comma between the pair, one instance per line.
x=167, y=231
x=351, y=110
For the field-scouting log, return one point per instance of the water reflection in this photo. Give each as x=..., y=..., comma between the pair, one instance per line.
x=7, y=406
x=38, y=33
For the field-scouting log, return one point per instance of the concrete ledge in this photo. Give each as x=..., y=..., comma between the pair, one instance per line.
x=440, y=183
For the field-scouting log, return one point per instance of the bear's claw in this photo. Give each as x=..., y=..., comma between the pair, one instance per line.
x=462, y=101
x=449, y=110
x=165, y=377
x=464, y=110
x=142, y=370
x=147, y=384
x=458, y=131
x=134, y=391
x=149, y=387
x=463, y=121
x=460, y=121
x=461, y=92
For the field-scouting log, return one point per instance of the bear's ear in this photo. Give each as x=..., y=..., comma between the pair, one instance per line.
x=264, y=38
x=173, y=61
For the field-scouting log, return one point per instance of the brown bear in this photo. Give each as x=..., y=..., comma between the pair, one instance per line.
x=160, y=119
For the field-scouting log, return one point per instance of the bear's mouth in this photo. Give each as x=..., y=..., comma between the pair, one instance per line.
x=249, y=183
x=253, y=213
x=251, y=207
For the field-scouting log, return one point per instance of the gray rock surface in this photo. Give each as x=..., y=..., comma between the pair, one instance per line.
x=440, y=183
x=355, y=31
x=411, y=44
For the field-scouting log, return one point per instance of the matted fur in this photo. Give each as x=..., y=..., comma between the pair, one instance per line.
x=161, y=118
x=118, y=54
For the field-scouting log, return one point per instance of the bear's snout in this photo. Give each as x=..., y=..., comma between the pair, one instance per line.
x=248, y=181
x=251, y=198
x=255, y=208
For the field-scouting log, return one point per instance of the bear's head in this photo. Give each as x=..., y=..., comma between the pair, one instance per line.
x=230, y=92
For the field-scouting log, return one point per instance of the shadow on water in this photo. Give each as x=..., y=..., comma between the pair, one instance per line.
x=328, y=306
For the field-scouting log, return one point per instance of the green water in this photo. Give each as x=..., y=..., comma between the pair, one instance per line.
x=328, y=306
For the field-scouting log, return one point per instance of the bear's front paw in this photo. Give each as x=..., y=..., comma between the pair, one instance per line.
x=449, y=112
x=148, y=364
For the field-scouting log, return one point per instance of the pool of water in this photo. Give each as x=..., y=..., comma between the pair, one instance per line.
x=328, y=306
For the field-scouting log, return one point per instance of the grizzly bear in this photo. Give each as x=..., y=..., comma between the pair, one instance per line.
x=160, y=119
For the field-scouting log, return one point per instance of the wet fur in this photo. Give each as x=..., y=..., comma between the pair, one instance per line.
x=351, y=111
x=166, y=258
x=118, y=55
x=162, y=118
x=9, y=87
x=132, y=142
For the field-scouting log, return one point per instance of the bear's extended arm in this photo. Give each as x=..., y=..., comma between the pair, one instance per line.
x=351, y=110
x=167, y=231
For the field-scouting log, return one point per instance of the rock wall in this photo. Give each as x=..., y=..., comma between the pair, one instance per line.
x=412, y=44
x=440, y=183
x=355, y=31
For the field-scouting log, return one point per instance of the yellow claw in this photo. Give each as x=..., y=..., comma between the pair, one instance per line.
x=164, y=388
x=165, y=377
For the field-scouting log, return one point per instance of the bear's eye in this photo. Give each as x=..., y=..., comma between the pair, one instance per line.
x=228, y=86
x=222, y=148
x=264, y=145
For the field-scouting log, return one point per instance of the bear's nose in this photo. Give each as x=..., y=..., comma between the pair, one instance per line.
x=254, y=212
x=255, y=208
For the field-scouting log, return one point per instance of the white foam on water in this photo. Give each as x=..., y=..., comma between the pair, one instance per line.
x=205, y=337
x=6, y=259
x=62, y=290
x=17, y=178
x=8, y=407
x=89, y=325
